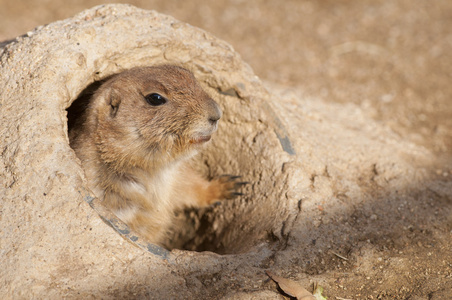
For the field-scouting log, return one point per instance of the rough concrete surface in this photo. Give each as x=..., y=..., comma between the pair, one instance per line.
x=338, y=195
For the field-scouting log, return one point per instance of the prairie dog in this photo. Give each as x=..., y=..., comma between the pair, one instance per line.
x=134, y=140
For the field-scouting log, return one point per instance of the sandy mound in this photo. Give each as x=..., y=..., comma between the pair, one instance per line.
x=320, y=173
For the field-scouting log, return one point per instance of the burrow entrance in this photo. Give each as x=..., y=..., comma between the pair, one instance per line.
x=253, y=146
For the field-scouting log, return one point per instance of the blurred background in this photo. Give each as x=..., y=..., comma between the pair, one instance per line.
x=391, y=58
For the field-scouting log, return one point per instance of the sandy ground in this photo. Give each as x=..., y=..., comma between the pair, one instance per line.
x=391, y=59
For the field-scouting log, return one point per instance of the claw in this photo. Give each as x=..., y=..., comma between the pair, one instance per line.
x=228, y=178
x=229, y=186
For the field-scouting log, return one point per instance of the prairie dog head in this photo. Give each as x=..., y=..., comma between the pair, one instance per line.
x=146, y=117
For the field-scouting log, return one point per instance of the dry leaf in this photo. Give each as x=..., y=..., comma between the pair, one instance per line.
x=291, y=288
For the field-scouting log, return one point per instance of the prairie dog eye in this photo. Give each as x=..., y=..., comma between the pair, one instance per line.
x=155, y=99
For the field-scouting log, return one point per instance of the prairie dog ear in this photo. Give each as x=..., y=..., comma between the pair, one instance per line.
x=112, y=99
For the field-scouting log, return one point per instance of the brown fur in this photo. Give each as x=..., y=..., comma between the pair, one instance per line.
x=135, y=154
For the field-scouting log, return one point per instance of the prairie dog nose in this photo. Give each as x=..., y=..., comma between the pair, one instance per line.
x=215, y=112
